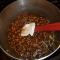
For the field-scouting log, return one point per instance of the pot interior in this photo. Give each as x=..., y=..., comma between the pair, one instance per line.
x=17, y=8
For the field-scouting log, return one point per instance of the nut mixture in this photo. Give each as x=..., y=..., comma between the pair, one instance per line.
x=30, y=46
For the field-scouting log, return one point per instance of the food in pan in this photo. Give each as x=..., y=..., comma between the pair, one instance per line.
x=30, y=46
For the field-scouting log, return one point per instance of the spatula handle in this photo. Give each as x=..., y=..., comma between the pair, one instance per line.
x=48, y=27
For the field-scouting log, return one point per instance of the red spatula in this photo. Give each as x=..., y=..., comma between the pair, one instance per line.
x=48, y=27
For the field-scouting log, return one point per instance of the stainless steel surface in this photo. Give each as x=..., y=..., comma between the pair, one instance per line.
x=26, y=6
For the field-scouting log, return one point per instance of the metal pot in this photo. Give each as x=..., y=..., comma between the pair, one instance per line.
x=27, y=6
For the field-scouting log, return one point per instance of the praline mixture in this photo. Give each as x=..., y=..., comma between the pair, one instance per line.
x=30, y=46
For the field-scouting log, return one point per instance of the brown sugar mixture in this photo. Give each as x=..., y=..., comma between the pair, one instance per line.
x=30, y=46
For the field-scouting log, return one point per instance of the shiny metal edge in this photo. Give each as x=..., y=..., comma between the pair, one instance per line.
x=7, y=53
x=31, y=59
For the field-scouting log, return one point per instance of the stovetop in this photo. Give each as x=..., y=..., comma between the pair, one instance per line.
x=55, y=56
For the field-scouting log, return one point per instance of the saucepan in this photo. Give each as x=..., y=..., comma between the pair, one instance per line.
x=19, y=7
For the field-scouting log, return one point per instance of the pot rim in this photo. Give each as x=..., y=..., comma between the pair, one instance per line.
x=28, y=59
x=33, y=59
